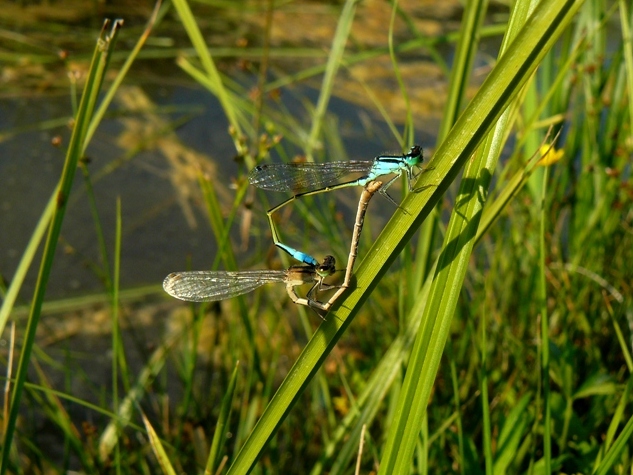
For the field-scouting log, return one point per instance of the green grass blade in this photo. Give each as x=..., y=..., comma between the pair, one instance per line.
x=485, y=403
x=122, y=418
x=511, y=435
x=118, y=80
x=460, y=76
x=75, y=150
x=334, y=61
x=25, y=262
x=195, y=35
x=452, y=266
x=616, y=420
x=377, y=388
x=57, y=413
x=503, y=84
x=620, y=445
x=626, y=20
x=157, y=447
x=118, y=353
x=220, y=427
x=465, y=52
x=545, y=357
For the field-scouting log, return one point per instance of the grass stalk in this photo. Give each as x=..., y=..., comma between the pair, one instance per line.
x=545, y=359
x=76, y=146
x=25, y=263
x=129, y=403
x=219, y=436
x=503, y=84
x=407, y=136
x=334, y=61
x=118, y=354
x=217, y=86
x=485, y=402
x=453, y=261
x=157, y=446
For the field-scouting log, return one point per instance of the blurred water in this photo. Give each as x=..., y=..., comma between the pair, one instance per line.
x=157, y=238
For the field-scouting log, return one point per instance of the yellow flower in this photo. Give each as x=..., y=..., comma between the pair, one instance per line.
x=550, y=155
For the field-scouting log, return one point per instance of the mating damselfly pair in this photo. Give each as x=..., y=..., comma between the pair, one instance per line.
x=302, y=179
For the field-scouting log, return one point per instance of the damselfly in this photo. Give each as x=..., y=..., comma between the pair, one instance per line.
x=209, y=286
x=304, y=179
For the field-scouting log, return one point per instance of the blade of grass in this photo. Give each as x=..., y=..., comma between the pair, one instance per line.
x=511, y=434
x=25, y=262
x=122, y=419
x=616, y=420
x=503, y=84
x=458, y=408
x=621, y=443
x=219, y=436
x=195, y=35
x=461, y=71
x=461, y=68
x=626, y=20
x=76, y=146
x=383, y=377
x=57, y=413
x=130, y=57
x=446, y=288
x=118, y=353
x=485, y=402
x=407, y=137
x=378, y=385
x=157, y=446
x=334, y=61
x=542, y=296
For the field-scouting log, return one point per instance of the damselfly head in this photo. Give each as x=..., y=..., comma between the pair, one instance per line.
x=414, y=157
x=328, y=267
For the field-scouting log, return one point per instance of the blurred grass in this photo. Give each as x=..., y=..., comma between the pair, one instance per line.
x=536, y=318
x=77, y=145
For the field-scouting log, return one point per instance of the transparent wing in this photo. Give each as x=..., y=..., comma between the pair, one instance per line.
x=209, y=286
x=302, y=177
